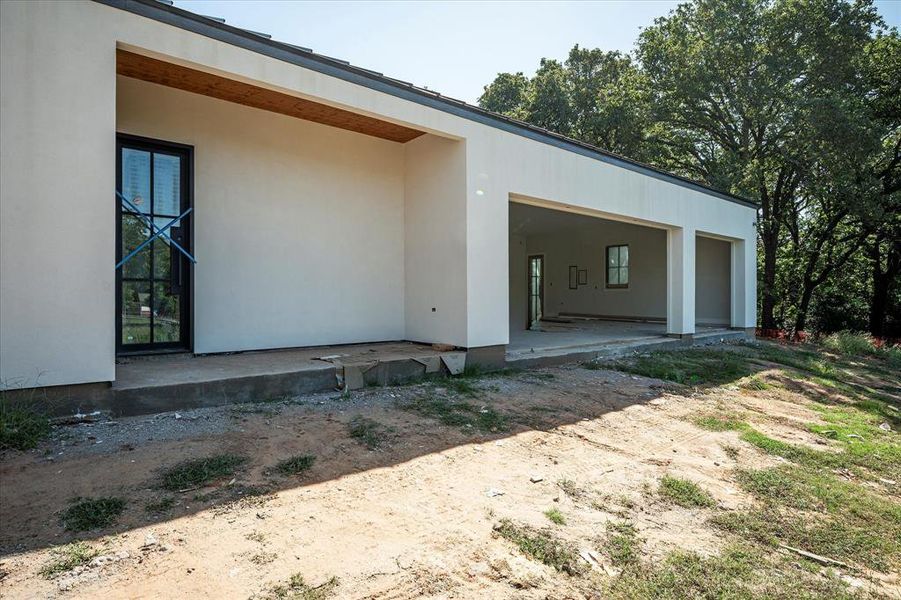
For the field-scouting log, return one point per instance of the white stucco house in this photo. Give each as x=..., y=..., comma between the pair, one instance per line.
x=322, y=202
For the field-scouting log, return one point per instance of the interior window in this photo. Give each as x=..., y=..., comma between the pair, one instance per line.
x=617, y=266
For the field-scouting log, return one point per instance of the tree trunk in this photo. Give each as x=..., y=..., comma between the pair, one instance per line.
x=769, y=241
x=882, y=283
x=803, y=307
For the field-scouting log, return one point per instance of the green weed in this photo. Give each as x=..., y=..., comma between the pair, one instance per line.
x=542, y=546
x=296, y=464
x=198, y=472
x=85, y=514
x=685, y=493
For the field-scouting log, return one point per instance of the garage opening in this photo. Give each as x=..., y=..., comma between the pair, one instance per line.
x=713, y=269
x=599, y=281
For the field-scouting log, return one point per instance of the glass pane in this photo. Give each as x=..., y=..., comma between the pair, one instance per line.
x=166, y=316
x=136, y=178
x=166, y=185
x=612, y=275
x=612, y=256
x=624, y=275
x=134, y=232
x=624, y=256
x=162, y=249
x=161, y=256
x=135, y=312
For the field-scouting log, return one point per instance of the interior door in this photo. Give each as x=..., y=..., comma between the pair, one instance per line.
x=153, y=286
x=535, y=291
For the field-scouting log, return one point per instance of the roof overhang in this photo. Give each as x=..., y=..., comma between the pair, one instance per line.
x=306, y=58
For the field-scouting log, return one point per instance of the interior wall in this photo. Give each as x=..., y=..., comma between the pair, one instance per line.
x=583, y=243
x=713, y=281
x=434, y=224
x=298, y=227
x=519, y=270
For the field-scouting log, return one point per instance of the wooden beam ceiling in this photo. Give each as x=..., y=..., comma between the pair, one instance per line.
x=149, y=69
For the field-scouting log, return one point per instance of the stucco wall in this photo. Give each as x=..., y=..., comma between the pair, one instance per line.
x=435, y=233
x=712, y=281
x=57, y=166
x=298, y=227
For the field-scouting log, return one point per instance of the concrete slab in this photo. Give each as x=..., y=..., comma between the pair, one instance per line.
x=172, y=382
x=552, y=350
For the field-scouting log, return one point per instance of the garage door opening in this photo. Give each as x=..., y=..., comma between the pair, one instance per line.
x=598, y=281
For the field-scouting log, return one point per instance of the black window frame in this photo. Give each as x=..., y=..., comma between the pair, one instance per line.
x=619, y=267
x=186, y=307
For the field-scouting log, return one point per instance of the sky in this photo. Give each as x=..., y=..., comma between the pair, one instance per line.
x=455, y=48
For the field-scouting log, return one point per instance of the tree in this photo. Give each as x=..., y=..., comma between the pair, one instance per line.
x=734, y=84
x=508, y=95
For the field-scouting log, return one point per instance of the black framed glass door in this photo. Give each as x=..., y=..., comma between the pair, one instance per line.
x=535, y=291
x=153, y=286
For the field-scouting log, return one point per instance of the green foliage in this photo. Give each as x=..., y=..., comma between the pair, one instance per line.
x=369, y=432
x=157, y=507
x=65, y=558
x=22, y=425
x=85, y=514
x=555, y=516
x=457, y=413
x=542, y=546
x=738, y=573
x=622, y=544
x=685, y=493
x=719, y=423
x=850, y=344
x=695, y=366
x=197, y=472
x=295, y=465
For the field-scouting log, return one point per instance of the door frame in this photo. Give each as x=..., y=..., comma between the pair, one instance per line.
x=529, y=258
x=187, y=296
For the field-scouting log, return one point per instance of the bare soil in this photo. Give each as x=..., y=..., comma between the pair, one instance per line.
x=412, y=519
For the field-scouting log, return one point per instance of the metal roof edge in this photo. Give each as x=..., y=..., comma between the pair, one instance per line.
x=208, y=27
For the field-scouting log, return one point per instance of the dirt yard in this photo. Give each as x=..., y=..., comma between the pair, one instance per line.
x=574, y=482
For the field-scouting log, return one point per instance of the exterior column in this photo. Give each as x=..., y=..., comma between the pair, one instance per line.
x=744, y=285
x=680, y=282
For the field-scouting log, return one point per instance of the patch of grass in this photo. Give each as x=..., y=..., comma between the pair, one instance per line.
x=555, y=516
x=263, y=558
x=296, y=464
x=849, y=343
x=163, y=505
x=839, y=519
x=685, y=493
x=460, y=386
x=256, y=536
x=798, y=454
x=714, y=423
x=622, y=543
x=298, y=589
x=65, y=558
x=829, y=537
x=690, y=367
x=200, y=471
x=731, y=451
x=369, y=432
x=457, y=413
x=738, y=573
x=755, y=384
x=22, y=426
x=542, y=546
x=85, y=514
